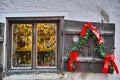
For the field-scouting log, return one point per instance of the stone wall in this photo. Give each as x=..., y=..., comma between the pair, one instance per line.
x=81, y=10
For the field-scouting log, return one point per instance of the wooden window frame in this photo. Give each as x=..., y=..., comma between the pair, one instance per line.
x=59, y=20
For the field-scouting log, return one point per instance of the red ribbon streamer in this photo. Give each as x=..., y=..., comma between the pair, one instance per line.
x=107, y=63
x=94, y=30
x=72, y=57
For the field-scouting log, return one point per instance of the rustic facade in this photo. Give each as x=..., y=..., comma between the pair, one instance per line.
x=83, y=10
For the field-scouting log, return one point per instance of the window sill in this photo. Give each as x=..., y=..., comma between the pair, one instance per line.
x=26, y=71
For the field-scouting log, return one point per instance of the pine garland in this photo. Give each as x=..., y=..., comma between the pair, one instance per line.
x=100, y=47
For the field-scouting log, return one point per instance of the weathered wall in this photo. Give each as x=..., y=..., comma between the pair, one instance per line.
x=82, y=10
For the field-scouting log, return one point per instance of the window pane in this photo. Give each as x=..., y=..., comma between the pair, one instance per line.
x=21, y=45
x=46, y=44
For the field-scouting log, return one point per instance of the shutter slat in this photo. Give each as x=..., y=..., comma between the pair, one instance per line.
x=86, y=59
x=103, y=33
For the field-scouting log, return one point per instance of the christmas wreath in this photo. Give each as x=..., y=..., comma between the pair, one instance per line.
x=90, y=30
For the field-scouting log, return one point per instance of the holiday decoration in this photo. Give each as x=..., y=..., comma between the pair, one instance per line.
x=109, y=59
x=73, y=56
x=90, y=30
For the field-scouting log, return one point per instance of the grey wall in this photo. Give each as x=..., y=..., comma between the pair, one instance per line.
x=81, y=10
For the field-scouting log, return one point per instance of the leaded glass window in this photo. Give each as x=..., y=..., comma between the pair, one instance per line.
x=46, y=51
x=46, y=44
x=21, y=45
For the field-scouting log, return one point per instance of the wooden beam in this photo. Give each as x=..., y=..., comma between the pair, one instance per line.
x=86, y=59
x=103, y=33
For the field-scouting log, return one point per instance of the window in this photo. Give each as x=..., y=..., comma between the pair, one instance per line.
x=46, y=44
x=21, y=45
x=41, y=44
x=34, y=43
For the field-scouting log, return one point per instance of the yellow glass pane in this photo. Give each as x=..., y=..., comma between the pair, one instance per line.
x=46, y=44
x=21, y=45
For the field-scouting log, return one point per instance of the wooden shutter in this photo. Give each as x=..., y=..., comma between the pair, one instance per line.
x=1, y=46
x=89, y=60
x=1, y=31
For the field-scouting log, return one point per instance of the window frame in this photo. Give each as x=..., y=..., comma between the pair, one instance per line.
x=59, y=20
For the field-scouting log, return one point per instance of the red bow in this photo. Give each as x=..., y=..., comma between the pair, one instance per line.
x=94, y=30
x=73, y=57
x=107, y=63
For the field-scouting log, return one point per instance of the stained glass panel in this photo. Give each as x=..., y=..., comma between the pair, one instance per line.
x=21, y=45
x=46, y=44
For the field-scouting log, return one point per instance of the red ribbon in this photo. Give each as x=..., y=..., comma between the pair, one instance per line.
x=107, y=63
x=73, y=57
x=94, y=30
